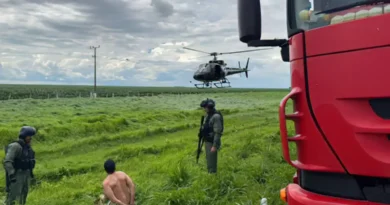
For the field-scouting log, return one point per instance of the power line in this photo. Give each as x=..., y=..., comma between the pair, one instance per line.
x=94, y=56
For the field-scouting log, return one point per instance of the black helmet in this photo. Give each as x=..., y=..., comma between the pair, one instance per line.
x=207, y=103
x=27, y=131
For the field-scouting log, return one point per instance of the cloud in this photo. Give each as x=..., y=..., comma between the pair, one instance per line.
x=164, y=8
x=49, y=41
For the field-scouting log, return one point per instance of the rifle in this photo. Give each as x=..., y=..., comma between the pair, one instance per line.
x=200, y=141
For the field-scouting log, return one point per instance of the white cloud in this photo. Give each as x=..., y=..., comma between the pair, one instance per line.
x=48, y=41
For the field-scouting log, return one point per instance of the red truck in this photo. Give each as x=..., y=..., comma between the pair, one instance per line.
x=340, y=88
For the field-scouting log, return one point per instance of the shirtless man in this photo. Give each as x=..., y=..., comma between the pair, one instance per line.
x=118, y=187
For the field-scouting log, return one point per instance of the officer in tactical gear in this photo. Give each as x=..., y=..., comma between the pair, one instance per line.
x=19, y=163
x=212, y=131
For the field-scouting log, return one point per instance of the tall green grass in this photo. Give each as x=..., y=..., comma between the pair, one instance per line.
x=154, y=140
x=73, y=91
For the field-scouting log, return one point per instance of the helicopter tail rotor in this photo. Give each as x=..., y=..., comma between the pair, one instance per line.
x=239, y=66
x=246, y=68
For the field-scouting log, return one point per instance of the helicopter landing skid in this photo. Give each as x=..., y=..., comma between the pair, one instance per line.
x=203, y=85
x=222, y=82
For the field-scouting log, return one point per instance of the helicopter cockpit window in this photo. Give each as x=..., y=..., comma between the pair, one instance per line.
x=201, y=68
x=207, y=68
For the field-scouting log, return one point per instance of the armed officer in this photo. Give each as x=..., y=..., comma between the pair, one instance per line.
x=18, y=164
x=212, y=131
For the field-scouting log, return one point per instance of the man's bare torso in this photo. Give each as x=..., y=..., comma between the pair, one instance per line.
x=118, y=183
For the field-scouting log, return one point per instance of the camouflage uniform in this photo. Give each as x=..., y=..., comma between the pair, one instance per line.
x=18, y=164
x=212, y=133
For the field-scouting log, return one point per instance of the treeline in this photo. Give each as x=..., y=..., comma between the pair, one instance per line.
x=69, y=91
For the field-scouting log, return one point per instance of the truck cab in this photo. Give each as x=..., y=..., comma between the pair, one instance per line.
x=337, y=51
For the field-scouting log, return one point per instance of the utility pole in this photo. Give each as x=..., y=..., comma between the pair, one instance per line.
x=94, y=55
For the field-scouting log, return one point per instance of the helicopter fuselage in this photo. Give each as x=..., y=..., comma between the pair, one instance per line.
x=210, y=72
x=216, y=70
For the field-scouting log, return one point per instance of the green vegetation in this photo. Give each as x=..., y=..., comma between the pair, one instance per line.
x=69, y=91
x=154, y=140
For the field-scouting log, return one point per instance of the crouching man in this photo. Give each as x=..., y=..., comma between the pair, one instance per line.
x=118, y=187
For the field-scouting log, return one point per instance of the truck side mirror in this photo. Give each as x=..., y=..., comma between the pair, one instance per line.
x=249, y=20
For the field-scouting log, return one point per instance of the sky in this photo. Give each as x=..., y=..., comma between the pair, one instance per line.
x=48, y=42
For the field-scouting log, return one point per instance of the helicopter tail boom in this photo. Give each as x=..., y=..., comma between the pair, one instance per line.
x=232, y=71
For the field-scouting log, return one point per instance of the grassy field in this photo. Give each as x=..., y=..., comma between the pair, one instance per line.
x=154, y=140
x=70, y=91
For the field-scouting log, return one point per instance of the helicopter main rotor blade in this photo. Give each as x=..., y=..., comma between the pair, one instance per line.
x=244, y=51
x=196, y=50
x=198, y=57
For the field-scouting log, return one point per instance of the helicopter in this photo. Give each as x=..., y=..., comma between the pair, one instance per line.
x=217, y=70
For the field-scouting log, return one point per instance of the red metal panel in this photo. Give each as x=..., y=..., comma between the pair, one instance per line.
x=340, y=87
x=296, y=47
x=356, y=34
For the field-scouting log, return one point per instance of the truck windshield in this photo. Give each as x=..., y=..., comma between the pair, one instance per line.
x=307, y=17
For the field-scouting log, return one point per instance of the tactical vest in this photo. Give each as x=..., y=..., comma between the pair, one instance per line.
x=27, y=159
x=207, y=130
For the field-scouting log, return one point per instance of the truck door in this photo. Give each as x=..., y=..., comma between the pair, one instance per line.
x=348, y=91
